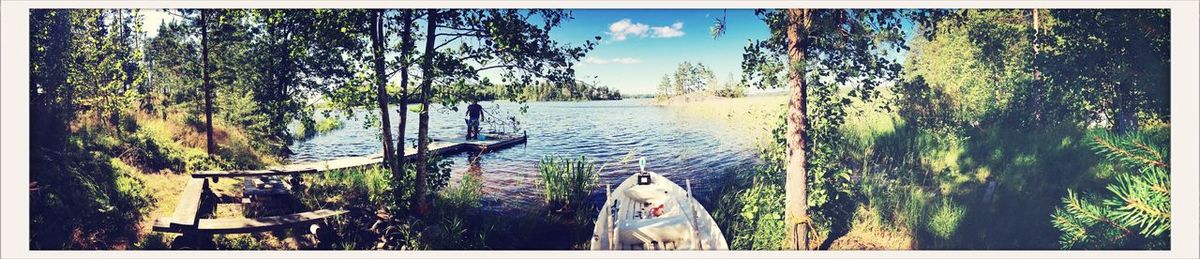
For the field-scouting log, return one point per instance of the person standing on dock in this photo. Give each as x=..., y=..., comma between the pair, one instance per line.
x=474, y=115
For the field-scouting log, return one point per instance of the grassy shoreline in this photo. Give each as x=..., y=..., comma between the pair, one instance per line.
x=756, y=115
x=907, y=187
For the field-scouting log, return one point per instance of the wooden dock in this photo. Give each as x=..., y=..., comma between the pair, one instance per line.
x=437, y=148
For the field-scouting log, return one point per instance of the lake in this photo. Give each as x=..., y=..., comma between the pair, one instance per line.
x=677, y=145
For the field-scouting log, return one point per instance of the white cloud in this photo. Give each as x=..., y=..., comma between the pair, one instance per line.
x=675, y=30
x=602, y=61
x=591, y=60
x=626, y=28
x=626, y=61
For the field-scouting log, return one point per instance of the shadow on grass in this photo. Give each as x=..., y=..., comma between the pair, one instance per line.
x=82, y=198
x=997, y=185
x=1029, y=172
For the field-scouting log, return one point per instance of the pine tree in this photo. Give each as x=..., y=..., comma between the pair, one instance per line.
x=1137, y=211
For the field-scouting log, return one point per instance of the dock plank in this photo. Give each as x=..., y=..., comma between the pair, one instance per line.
x=188, y=208
x=494, y=144
x=437, y=147
x=260, y=224
x=250, y=173
x=249, y=225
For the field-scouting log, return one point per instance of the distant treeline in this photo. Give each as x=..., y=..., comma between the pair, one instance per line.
x=637, y=96
x=579, y=91
x=539, y=91
x=696, y=77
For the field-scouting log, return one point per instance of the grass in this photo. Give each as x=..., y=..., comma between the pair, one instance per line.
x=566, y=182
x=989, y=188
x=916, y=188
x=755, y=115
x=456, y=221
x=350, y=187
x=984, y=188
x=116, y=176
x=154, y=147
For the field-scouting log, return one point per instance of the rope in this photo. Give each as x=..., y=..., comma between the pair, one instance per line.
x=801, y=243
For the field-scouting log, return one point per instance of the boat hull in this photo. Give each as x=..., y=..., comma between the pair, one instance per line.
x=654, y=213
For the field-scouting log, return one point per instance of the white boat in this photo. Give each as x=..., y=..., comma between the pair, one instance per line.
x=649, y=212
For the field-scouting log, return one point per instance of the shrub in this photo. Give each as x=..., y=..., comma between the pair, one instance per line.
x=329, y=124
x=155, y=148
x=237, y=242
x=81, y=198
x=466, y=195
x=356, y=186
x=730, y=92
x=760, y=223
x=944, y=220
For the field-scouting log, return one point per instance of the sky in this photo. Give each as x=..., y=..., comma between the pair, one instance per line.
x=151, y=19
x=638, y=46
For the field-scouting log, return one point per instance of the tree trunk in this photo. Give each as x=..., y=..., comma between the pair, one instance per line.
x=1036, y=94
x=377, y=40
x=405, y=53
x=1125, y=119
x=423, y=127
x=208, y=91
x=796, y=186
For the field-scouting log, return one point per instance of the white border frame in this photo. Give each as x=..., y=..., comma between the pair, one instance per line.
x=14, y=132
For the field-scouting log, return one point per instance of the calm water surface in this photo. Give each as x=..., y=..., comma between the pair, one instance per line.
x=676, y=145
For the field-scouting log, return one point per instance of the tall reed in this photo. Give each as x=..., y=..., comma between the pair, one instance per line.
x=567, y=182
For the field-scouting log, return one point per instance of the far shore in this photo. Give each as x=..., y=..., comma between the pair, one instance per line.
x=753, y=114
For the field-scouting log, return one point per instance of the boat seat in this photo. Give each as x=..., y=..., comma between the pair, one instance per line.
x=661, y=230
x=650, y=193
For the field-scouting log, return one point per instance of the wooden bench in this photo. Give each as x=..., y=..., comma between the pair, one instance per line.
x=186, y=217
x=187, y=210
x=260, y=224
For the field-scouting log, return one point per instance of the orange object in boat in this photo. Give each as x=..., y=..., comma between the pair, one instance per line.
x=657, y=211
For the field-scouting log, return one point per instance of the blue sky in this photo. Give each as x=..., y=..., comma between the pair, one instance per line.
x=640, y=46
